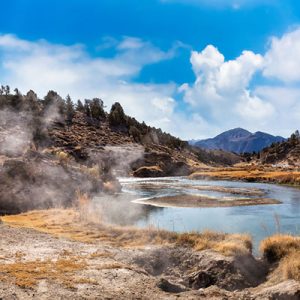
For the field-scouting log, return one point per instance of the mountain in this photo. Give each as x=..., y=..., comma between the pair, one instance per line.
x=239, y=140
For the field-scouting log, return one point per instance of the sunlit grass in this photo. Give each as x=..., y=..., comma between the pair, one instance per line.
x=70, y=224
x=251, y=174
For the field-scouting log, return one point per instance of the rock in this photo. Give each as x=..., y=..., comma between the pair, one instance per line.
x=209, y=268
x=287, y=290
x=201, y=280
x=153, y=171
x=169, y=287
x=229, y=273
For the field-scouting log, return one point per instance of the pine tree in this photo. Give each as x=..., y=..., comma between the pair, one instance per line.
x=70, y=111
x=97, y=109
x=117, y=116
x=79, y=106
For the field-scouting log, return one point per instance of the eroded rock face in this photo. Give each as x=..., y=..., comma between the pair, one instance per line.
x=287, y=290
x=196, y=270
x=158, y=164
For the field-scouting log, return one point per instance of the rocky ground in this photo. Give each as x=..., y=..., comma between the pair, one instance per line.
x=36, y=265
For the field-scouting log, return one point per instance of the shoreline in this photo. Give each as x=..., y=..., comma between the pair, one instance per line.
x=193, y=201
x=251, y=175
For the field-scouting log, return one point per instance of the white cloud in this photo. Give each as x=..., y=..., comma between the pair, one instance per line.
x=282, y=60
x=287, y=104
x=221, y=97
x=41, y=66
x=221, y=87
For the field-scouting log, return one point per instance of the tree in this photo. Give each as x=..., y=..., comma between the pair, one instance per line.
x=7, y=90
x=16, y=100
x=87, y=109
x=117, y=116
x=53, y=99
x=31, y=101
x=70, y=111
x=79, y=106
x=97, y=109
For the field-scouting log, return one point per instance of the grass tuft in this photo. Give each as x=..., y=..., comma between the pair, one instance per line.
x=278, y=246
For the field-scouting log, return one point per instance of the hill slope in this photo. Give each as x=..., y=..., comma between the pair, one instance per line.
x=114, y=142
x=239, y=140
x=286, y=153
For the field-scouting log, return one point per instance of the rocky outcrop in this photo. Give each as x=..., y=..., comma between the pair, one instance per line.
x=209, y=268
x=286, y=290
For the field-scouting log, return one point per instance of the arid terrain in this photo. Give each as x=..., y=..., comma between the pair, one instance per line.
x=58, y=254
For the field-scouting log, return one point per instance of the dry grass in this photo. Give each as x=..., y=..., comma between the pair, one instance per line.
x=83, y=201
x=63, y=157
x=28, y=274
x=289, y=267
x=251, y=174
x=68, y=224
x=278, y=246
x=94, y=171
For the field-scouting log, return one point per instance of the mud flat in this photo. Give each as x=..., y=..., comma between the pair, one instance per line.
x=220, y=189
x=229, y=190
x=204, y=201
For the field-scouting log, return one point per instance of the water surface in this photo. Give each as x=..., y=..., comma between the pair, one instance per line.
x=260, y=221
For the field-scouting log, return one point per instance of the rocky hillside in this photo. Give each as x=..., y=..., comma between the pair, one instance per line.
x=285, y=154
x=115, y=142
x=239, y=140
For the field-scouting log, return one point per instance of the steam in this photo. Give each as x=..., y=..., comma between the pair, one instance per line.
x=31, y=179
x=123, y=156
x=15, y=132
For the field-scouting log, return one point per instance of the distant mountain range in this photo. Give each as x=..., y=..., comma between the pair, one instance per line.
x=238, y=140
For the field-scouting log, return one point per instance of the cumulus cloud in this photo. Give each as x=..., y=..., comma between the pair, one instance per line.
x=282, y=60
x=221, y=87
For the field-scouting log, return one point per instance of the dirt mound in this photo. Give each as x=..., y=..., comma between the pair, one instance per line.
x=196, y=270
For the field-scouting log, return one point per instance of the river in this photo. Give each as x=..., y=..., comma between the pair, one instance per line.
x=259, y=221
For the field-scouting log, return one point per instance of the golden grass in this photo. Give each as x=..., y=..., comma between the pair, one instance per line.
x=94, y=171
x=289, y=267
x=278, y=246
x=63, y=157
x=67, y=223
x=27, y=274
x=83, y=202
x=251, y=174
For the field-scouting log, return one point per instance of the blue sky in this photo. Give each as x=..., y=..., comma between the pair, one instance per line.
x=193, y=67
